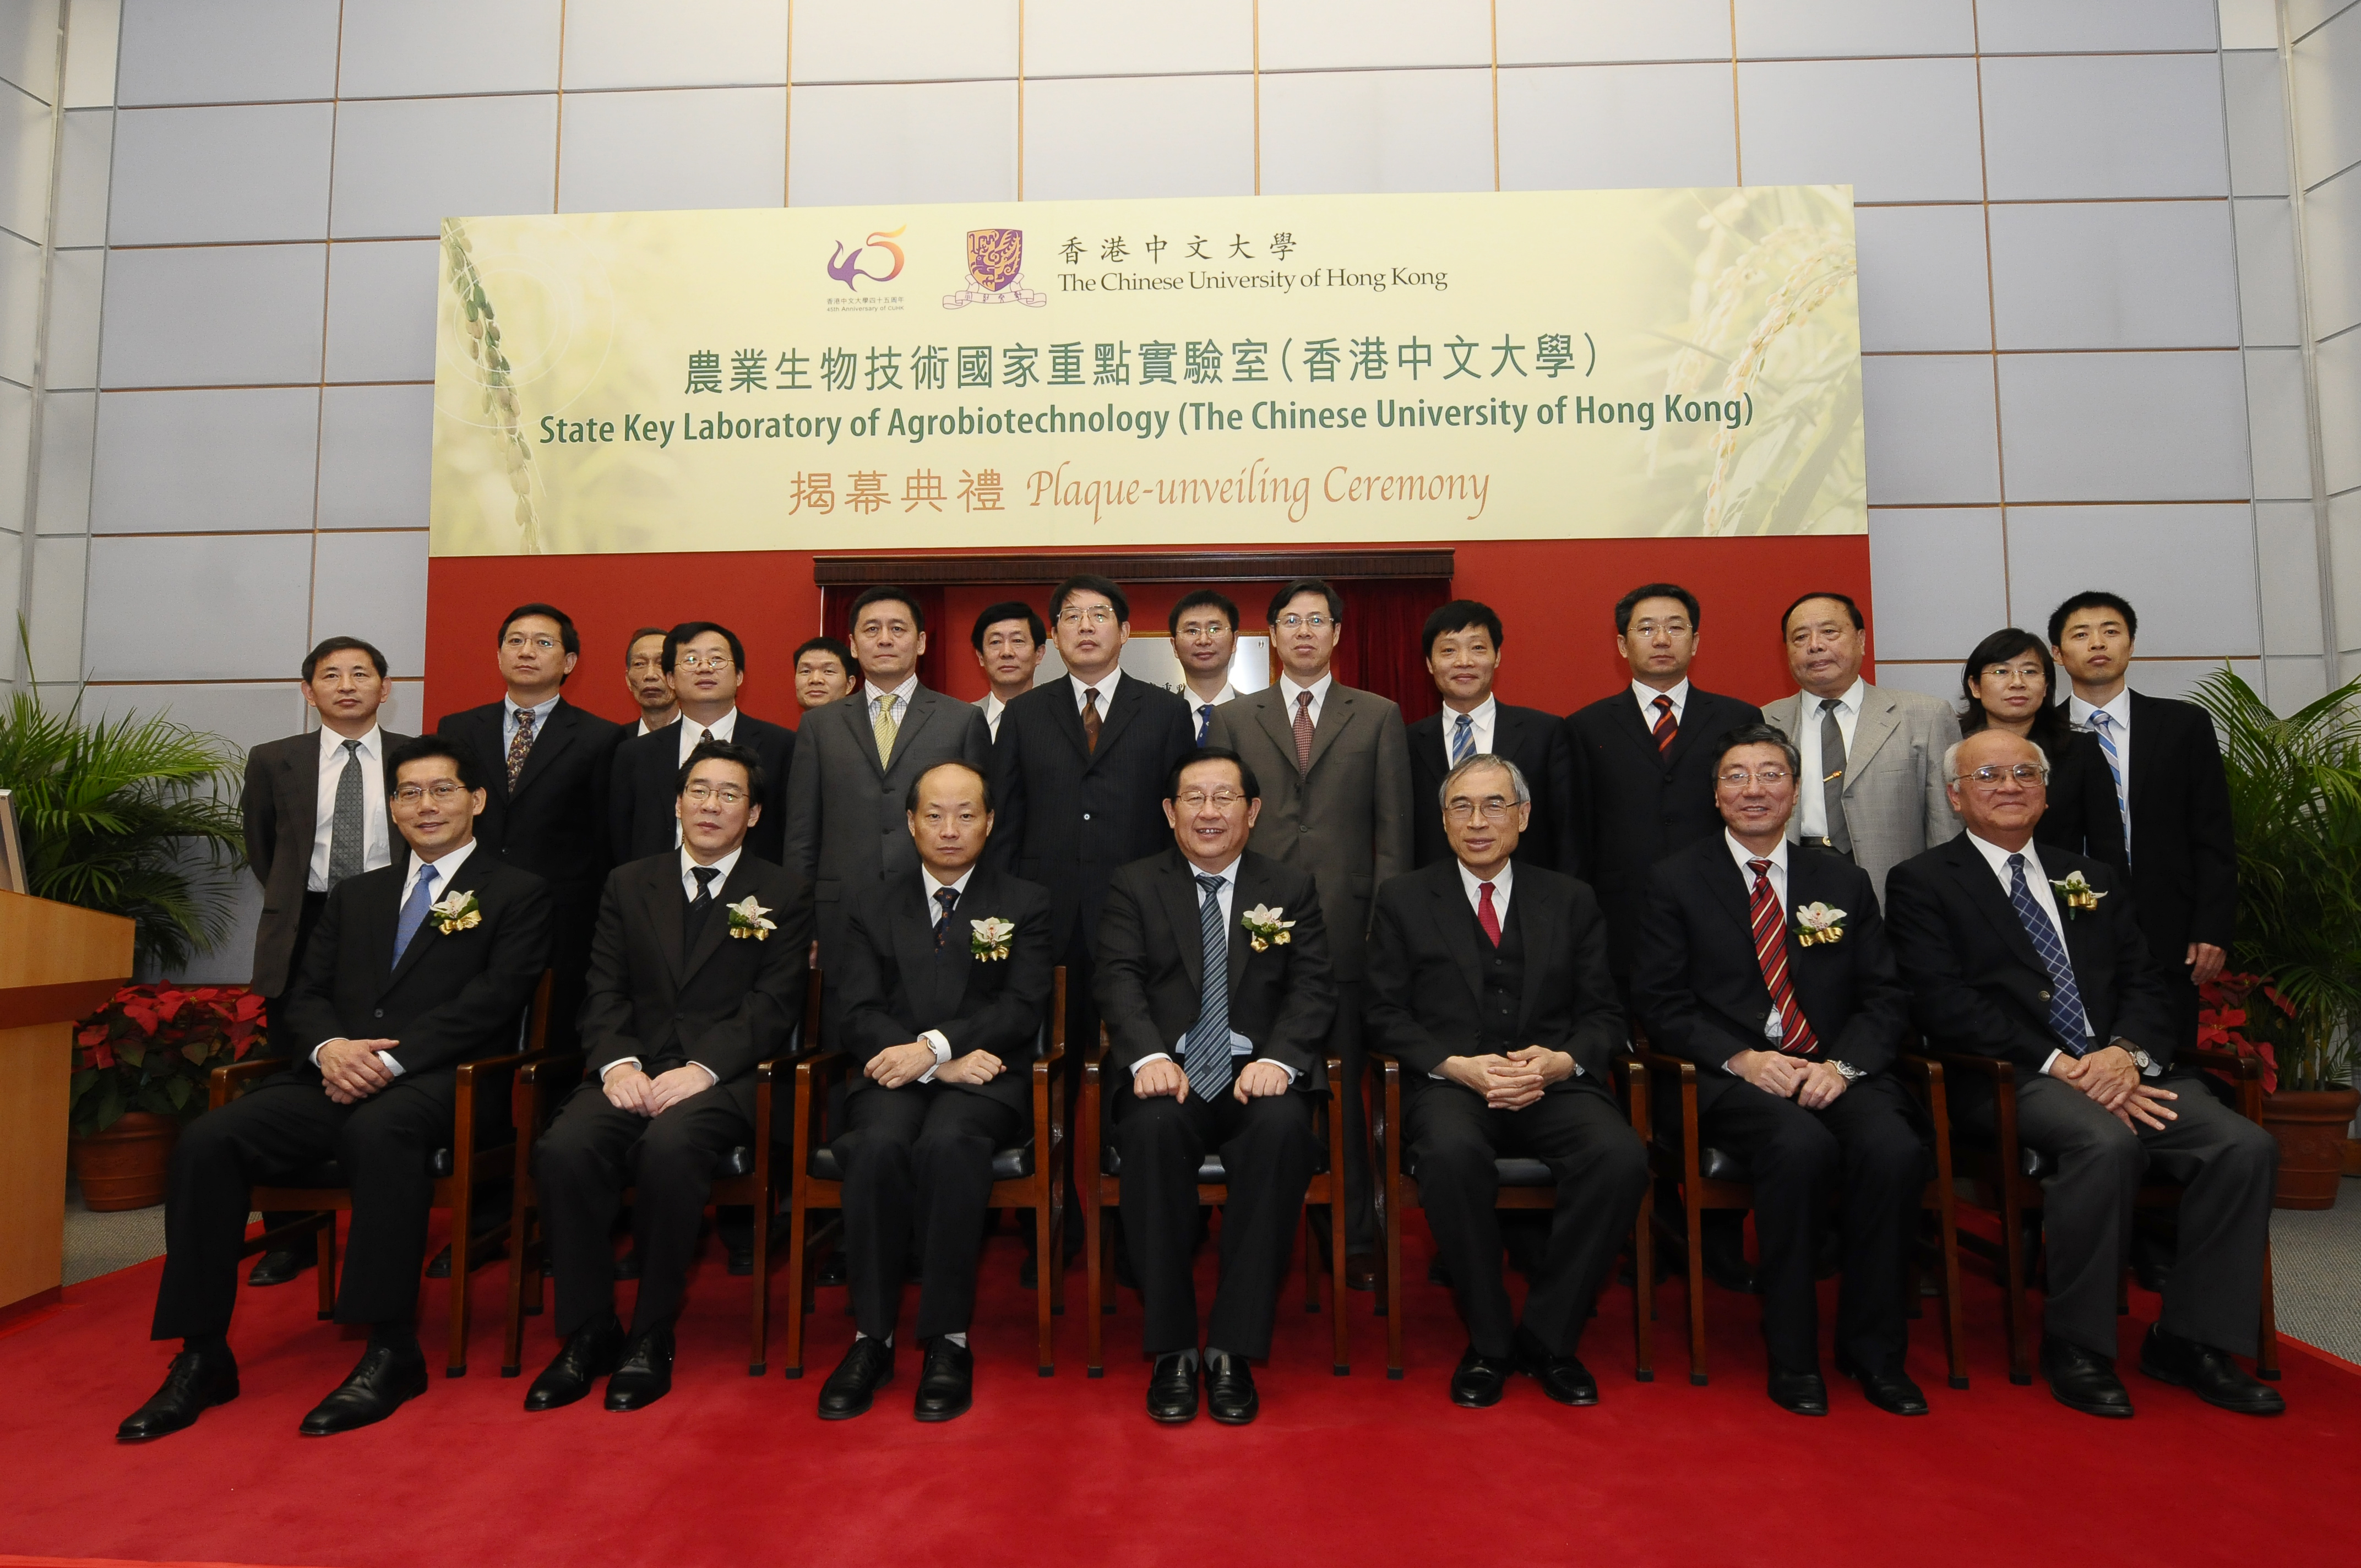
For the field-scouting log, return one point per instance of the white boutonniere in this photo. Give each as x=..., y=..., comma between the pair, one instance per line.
x=1818, y=924
x=2076, y=895
x=746, y=919
x=456, y=912
x=1265, y=927
x=988, y=937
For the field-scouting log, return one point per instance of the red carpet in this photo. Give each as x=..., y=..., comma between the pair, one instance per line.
x=1066, y=1470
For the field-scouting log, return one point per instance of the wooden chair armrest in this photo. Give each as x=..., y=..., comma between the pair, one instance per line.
x=2230, y=1063
x=1041, y=1065
x=2001, y=1074
x=229, y=1079
x=1679, y=1067
x=1634, y=1074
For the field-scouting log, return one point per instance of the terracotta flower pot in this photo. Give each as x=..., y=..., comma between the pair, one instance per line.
x=124, y=1166
x=2310, y=1126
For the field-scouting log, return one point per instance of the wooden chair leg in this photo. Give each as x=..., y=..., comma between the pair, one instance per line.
x=1696, y=1218
x=1389, y=1280
x=1046, y=1270
x=758, y=1351
x=1643, y=1288
x=2267, y=1349
x=1311, y=1264
x=1095, y=1267
x=512, y=1335
x=799, y=1292
x=463, y=1216
x=2020, y=1328
x=328, y=1267
x=1336, y=1296
x=1053, y=1256
x=1954, y=1323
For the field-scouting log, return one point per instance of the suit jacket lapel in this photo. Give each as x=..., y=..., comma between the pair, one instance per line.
x=914, y=946
x=1245, y=895
x=1069, y=721
x=738, y=884
x=461, y=881
x=555, y=733
x=2143, y=713
x=854, y=717
x=1452, y=918
x=1734, y=892
x=1129, y=696
x=1632, y=725
x=667, y=907
x=1986, y=894
x=1335, y=712
x=1541, y=936
x=1880, y=718
x=1178, y=885
x=922, y=707
x=1271, y=709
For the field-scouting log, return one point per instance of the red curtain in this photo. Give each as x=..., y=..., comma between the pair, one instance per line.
x=1380, y=650
x=836, y=621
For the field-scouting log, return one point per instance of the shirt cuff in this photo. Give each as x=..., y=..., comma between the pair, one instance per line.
x=2048, y=1060
x=391, y=1066
x=322, y=1045
x=626, y=1061
x=1160, y=1056
x=711, y=1077
x=933, y=1039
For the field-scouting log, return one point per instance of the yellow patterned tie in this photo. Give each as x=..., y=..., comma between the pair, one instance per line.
x=885, y=728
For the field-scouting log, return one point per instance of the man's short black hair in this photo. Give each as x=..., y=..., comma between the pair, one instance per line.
x=882, y=592
x=1009, y=610
x=1757, y=735
x=831, y=647
x=2093, y=598
x=337, y=645
x=1084, y=583
x=910, y=796
x=1279, y=601
x=1461, y=615
x=418, y=749
x=568, y=638
x=1201, y=599
x=725, y=751
x=633, y=640
x=1630, y=602
x=691, y=630
x=1860, y=621
x=1211, y=754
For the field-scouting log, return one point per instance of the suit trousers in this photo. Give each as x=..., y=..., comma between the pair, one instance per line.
x=917, y=1166
x=593, y=1151
x=306, y=918
x=1869, y=1141
x=1602, y=1173
x=1268, y=1155
x=277, y=1132
x=1347, y=1042
x=2228, y=1166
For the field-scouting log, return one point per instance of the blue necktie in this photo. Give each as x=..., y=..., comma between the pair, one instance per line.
x=2103, y=724
x=413, y=914
x=1208, y=1044
x=1204, y=721
x=1463, y=740
x=2066, y=1016
x=948, y=898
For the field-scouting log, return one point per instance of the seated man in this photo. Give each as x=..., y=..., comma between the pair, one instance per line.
x=697, y=977
x=414, y=969
x=2034, y=956
x=1213, y=978
x=1490, y=981
x=942, y=1014
x=1763, y=961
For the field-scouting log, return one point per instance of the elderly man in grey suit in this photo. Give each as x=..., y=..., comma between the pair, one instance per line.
x=855, y=760
x=1335, y=768
x=1873, y=768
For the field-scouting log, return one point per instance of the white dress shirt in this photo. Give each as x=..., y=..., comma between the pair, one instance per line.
x=693, y=734
x=1289, y=690
x=1104, y=686
x=1480, y=720
x=1224, y=895
x=993, y=709
x=646, y=728
x=1645, y=695
x=2037, y=881
x=872, y=691
x=376, y=851
x=1200, y=707
x=1771, y=1030
x=1811, y=806
x=934, y=1037
x=444, y=870
x=540, y=711
x=688, y=864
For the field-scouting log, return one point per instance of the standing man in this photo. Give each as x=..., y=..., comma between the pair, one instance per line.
x=1489, y=980
x=855, y=762
x=705, y=664
x=697, y=977
x=1872, y=768
x=823, y=672
x=1463, y=657
x=2171, y=792
x=1216, y=1040
x=415, y=967
x=1204, y=626
x=1337, y=764
x=943, y=1023
x=1009, y=643
x=1766, y=963
x=650, y=685
x=299, y=852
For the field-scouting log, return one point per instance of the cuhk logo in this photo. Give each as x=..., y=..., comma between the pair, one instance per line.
x=846, y=270
x=996, y=269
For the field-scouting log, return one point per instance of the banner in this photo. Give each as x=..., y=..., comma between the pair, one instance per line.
x=1201, y=372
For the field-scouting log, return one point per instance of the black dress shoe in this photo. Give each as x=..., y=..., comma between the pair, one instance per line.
x=1436, y=1274
x=1726, y=1264
x=1562, y=1378
x=196, y=1382
x=645, y=1374
x=2083, y=1380
x=2208, y=1372
x=1172, y=1388
x=1799, y=1393
x=379, y=1383
x=280, y=1266
x=1361, y=1271
x=1893, y=1392
x=1229, y=1388
x=742, y=1259
x=592, y=1352
x=946, y=1383
x=866, y=1367
x=1481, y=1380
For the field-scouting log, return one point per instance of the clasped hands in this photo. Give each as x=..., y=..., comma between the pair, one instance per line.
x=897, y=1065
x=2110, y=1076
x=1813, y=1085
x=350, y=1071
x=629, y=1089
x=1513, y=1082
x=1253, y=1081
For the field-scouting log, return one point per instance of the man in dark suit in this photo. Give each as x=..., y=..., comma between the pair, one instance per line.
x=414, y=967
x=1204, y=626
x=1489, y=980
x=547, y=766
x=1336, y=762
x=299, y=851
x=947, y=977
x=2172, y=794
x=1214, y=978
x=1764, y=962
x=1463, y=642
x=696, y=978
x=824, y=672
x=855, y=760
x=2032, y=955
x=706, y=667
x=648, y=680
x=1009, y=640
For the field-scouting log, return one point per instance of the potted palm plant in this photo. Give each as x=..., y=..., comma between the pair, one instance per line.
x=2295, y=797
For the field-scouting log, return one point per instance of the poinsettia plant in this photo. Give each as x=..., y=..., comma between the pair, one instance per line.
x=2245, y=1013
x=152, y=1046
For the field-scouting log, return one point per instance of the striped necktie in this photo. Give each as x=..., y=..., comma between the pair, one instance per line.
x=1795, y=1036
x=1463, y=740
x=2102, y=725
x=2066, y=1015
x=886, y=728
x=1666, y=726
x=1207, y=1047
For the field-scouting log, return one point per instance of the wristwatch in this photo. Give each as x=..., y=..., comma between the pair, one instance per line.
x=1846, y=1070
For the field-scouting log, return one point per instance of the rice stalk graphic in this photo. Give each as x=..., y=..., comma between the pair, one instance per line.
x=493, y=374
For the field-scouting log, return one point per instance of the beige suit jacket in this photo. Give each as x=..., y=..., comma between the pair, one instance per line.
x=1895, y=803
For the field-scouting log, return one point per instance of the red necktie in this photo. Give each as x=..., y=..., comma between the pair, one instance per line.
x=1302, y=732
x=1090, y=717
x=1666, y=725
x=1795, y=1036
x=1485, y=915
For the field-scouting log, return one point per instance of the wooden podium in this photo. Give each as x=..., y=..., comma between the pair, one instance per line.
x=58, y=963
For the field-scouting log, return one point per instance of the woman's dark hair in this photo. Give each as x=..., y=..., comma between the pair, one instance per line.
x=2050, y=731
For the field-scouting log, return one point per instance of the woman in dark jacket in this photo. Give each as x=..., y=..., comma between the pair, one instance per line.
x=2008, y=682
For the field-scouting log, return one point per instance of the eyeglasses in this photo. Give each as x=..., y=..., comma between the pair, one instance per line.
x=444, y=792
x=1492, y=808
x=1991, y=775
x=1770, y=777
x=1220, y=800
x=714, y=661
x=2028, y=672
x=1298, y=622
x=542, y=644
x=1097, y=615
x=1673, y=628
x=700, y=793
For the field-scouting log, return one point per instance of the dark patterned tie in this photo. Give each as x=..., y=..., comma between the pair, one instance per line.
x=1795, y=1036
x=1832, y=775
x=344, y=829
x=520, y=746
x=1666, y=726
x=1302, y=732
x=2066, y=1016
x=948, y=898
x=700, y=908
x=1090, y=717
x=1204, y=721
x=1207, y=1048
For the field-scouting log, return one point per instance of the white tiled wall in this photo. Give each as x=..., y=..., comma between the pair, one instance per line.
x=2081, y=300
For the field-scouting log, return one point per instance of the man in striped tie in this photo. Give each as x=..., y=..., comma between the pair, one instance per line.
x=1463, y=642
x=1764, y=962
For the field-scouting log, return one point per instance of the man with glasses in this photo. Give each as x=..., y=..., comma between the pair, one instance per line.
x=648, y=680
x=705, y=665
x=2032, y=955
x=1764, y=962
x=1488, y=982
x=1204, y=626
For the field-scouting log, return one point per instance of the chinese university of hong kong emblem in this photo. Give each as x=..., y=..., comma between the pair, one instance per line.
x=996, y=262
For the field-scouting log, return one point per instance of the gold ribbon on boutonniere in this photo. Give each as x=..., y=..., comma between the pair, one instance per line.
x=2076, y=896
x=1265, y=927
x=988, y=937
x=1819, y=924
x=456, y=912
